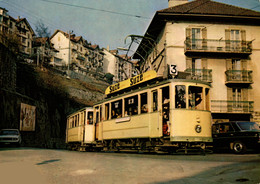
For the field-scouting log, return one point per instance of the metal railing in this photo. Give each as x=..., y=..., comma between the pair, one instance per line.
x=224, y=106
x=243, y=76
x=211, y=45
x=200, y=74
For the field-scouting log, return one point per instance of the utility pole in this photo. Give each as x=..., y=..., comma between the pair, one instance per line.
x=70, y=32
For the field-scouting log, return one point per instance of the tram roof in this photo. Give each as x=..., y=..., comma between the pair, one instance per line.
x=148, y=84
x=84, y=108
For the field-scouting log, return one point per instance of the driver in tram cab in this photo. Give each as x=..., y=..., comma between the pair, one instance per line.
x=90, y=120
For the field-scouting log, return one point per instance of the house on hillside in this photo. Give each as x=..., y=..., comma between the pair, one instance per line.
x=213, y=42
x=20, y=28
x=77, y=54
x=26, y=34
x=44, y=52
x=118, y=65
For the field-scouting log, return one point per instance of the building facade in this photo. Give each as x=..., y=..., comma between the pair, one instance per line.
x=119, y=66
x=213, y=42
x=10, y=27
x=77, y=54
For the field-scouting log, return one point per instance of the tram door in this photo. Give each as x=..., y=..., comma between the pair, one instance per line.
x=97, y=116
x=89, y=127
x=166, y=110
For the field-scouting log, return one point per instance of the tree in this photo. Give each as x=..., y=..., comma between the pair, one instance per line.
x=42, y=30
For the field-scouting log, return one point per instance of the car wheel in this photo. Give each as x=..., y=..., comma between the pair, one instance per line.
x=239, y=147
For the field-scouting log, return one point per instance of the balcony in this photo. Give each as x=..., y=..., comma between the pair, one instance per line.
x=239, y=77
x=200, y=74
x=223, y=106
x=209, y=46
x=79, y=57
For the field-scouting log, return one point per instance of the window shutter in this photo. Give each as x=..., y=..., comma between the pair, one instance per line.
x=188, y=63
x=188, y=33
x=227, y=38
x=188, y=38
x=204, y=38
x=245, y=94
x=229, y=64
x=243, y=38
x=204, y=63
x=229, y=94
x=244, y=64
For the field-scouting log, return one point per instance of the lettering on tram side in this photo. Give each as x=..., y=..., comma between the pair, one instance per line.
x=114, y=87
x=135, y=80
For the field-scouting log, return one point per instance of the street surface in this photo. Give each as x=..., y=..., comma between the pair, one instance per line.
x=46, y=166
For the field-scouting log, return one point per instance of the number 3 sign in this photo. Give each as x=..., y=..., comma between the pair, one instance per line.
x=173, y=70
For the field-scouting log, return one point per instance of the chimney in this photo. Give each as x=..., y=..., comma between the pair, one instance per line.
x=108, y=47
x=172, y=3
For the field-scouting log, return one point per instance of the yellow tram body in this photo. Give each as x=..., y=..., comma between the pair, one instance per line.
x=164, y=122
x=80, y=128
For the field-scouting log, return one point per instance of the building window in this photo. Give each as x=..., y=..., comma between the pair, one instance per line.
x=196, y=38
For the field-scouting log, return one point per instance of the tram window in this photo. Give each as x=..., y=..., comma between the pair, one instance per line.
x=144, y=107
x=155, y=101
x=207, y=99
x=84, y=117
x=100, y=118
x=116, y=109
x=195, y=98
x=107, y=111
x=90, y=118
x=75, y=121
x=180, y=97
x=97, y=114
x=131, y=104
x=165, y=95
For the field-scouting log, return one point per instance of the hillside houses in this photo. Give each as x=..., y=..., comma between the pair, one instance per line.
x=63, y=51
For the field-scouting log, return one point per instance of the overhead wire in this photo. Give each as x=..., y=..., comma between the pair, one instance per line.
x=95, y=9
x=34, y=17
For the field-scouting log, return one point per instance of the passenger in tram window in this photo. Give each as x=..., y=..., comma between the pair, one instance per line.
x=165, y=100
x=144, y=108
x=90, y=119
x=118, y=114
x=135, y=111
x=180, y=99
x=126, y=113
x=114, y=114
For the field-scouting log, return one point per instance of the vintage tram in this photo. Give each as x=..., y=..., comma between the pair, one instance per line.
x=80, y=129
x=149, y=113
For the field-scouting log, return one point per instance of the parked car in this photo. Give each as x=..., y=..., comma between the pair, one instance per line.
x=10, y=136
x=236, y=136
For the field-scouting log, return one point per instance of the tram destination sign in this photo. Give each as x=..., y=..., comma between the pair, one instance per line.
x=131, y=82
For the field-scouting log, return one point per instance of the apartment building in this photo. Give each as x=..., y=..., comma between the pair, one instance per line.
x=213, y=42
x=20, y=27
x=77, y=54
x=118, y=65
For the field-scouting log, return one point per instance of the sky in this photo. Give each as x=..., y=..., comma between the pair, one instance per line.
x=101, y=22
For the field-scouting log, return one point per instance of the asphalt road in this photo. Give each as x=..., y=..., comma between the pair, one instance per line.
x=38, y=166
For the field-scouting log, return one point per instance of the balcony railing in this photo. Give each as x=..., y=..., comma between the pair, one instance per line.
x=223, y=106
x=200, y=74
x=239, y=76
x=79, y=57
x=225, y=46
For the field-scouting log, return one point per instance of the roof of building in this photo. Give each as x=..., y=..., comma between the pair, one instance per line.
x=19, y=20
x=198, y=11
x=208, y=7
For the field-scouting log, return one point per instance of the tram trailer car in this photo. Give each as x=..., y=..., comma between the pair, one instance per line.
x=169, y=115
x=80, y=129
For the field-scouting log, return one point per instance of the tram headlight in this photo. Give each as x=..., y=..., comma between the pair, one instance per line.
x=198, y=128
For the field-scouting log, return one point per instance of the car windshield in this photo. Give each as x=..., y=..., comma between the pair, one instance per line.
x=8, y=132
x=248, y=125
